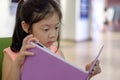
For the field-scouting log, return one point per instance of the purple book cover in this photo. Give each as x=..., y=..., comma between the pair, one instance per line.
x=45, y=65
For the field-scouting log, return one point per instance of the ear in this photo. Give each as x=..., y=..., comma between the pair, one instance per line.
x=25, y=26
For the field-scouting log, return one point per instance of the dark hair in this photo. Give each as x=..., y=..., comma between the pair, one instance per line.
x=32, y=11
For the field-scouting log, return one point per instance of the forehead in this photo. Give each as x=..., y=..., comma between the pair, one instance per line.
x=50, y=19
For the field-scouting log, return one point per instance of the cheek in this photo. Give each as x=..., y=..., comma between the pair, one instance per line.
x=35, y=33
x=38, y=34
x=42, y=36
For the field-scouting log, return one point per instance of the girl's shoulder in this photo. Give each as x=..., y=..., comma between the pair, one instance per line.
x=10, y=53
x=57, y=51
x=54, y=49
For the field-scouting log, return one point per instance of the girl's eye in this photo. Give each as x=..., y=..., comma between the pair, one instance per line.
x=45, y=29
x=57, y=28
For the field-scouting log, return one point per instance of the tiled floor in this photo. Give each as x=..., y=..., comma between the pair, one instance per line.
x=80, y=53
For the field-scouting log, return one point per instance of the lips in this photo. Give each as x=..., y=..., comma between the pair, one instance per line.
x=50, y=42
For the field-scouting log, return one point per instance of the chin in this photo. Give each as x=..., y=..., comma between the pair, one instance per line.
x=48, y=46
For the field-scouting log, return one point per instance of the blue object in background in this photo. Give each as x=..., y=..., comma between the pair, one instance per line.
x=84, y=9
x=15, y=0
x=13, y=8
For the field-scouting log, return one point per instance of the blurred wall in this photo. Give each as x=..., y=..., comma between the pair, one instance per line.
x=73, y=27
x=7, y=16
x=112, y=3
x=68, y=27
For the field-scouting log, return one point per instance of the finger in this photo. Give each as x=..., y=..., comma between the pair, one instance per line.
x=94, y=73
x=33, y=39
x=87, y=67
x=28, y=53
x=29, y=46
x=97, y=63
x=99, y=70
x=25, y=40
x=96, y=70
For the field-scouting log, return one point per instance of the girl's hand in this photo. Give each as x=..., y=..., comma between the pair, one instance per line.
x=24, y=49
x=96, y=69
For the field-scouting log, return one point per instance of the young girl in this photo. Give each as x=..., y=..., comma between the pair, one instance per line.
x=36, y=21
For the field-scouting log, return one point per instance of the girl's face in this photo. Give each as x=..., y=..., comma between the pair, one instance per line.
x=46, y=30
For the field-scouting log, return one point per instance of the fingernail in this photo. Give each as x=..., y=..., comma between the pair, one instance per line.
x=32, y=53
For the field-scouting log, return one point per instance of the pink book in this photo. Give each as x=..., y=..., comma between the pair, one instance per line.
x=45, y=65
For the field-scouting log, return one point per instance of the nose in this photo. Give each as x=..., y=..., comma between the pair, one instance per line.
x=52, y=34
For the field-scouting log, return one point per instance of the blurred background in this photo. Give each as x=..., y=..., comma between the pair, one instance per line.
x=86, y=25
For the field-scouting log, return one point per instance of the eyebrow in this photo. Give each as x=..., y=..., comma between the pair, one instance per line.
x=50, y=25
